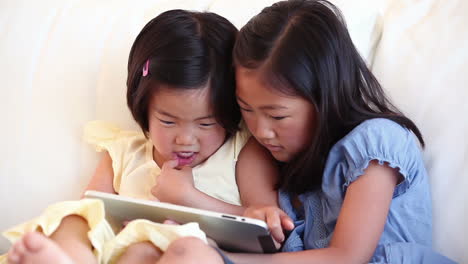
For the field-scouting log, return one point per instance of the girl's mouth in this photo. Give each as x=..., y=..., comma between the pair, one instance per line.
x=273, y=148
x=185, y=158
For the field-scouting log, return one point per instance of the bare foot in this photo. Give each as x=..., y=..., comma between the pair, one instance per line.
x=142, y=252
x=36, y=248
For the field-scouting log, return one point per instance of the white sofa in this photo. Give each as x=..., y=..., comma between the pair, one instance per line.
x=63, y=63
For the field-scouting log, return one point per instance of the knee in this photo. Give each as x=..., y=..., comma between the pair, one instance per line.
x=141, y=252
x=75, y=221
x=72, y=226
x=186, y=246
x=190, y=250
x=145, y=248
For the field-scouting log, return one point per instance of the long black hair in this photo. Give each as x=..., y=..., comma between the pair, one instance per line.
x=303, y=48
x=186, y=50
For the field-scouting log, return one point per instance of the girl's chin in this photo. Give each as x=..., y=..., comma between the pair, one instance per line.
x=280, y=156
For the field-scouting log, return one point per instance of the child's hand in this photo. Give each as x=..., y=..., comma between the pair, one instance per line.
x=174, y=185
x=276, y=219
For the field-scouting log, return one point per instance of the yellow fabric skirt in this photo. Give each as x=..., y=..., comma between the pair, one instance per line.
x=107, y=246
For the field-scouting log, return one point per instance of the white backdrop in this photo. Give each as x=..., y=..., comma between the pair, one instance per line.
x=63, y=63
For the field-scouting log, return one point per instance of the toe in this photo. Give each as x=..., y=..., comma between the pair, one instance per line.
x=15, y=253
x=34, y=241
x=13, y=258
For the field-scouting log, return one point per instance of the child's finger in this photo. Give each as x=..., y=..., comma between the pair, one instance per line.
x=186, y=169
x=286, y=221
x=170, y=222
x=274, y=224
x=170, y=164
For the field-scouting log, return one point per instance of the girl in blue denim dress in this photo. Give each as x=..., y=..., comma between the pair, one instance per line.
x=354, y=185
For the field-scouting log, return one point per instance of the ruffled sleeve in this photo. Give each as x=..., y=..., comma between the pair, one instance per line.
x=104, y=135
x=111, y=138
x=386, y=142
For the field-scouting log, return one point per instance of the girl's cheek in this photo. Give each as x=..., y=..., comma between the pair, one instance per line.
x=249, y=121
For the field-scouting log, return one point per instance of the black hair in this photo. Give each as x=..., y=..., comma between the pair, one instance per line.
x=186, y=50
x=303, y=48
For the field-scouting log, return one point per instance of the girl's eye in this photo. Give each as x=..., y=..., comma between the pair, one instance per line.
x=207, y=124
x=245, y=110
x=166, y=122
x=278, y=117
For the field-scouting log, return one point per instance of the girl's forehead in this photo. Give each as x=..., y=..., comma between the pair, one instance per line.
x=182, y=103
x=164, y=90
x=253, y=83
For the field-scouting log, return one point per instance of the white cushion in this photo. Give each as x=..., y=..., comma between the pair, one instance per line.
x=422, y=61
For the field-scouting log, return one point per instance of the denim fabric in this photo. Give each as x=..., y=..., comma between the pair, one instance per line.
x=226, y=260
x=407, y=234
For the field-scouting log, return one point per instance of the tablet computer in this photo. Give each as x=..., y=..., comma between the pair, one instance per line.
x=232, y=233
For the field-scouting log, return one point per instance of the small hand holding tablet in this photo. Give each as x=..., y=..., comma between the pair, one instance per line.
x=277, y=220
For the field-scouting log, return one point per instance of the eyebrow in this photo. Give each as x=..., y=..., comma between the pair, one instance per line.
x=173, y=116
x=264, y=107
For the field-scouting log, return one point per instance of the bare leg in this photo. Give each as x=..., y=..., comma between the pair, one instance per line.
x=142, y=253
x=68, y=244
x=72, y=237
x=189, y=250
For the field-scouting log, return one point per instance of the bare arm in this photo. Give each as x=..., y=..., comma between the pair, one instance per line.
x=256, y=175
x=204, y=201
x=103, y=177
x=359, y=227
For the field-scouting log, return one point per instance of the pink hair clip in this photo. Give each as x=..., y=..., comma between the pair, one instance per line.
x=146, y=68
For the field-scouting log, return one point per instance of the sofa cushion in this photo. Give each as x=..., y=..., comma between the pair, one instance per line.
x=422, y=62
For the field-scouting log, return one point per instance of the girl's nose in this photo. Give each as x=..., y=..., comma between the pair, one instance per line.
x=185, y=137
x=263, y=130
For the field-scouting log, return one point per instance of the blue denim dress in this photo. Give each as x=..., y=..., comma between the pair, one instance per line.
x=407, y=234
